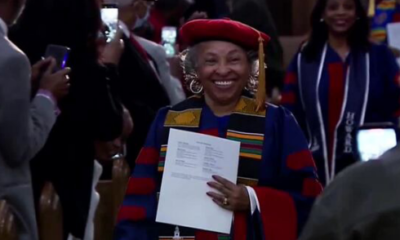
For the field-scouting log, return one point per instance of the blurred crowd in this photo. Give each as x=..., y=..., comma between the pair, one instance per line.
x=61, y=117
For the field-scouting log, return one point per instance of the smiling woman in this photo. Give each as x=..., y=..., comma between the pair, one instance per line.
x=339, y=81
x=223, y=69
x=277, y=183
x=190, y=63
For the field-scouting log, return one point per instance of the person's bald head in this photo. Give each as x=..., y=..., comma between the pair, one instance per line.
x=10, y=10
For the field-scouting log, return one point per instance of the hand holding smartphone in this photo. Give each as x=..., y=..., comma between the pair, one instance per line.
x=374, y=140
x=169, y=35
x=60, y=54
x=53, y=71
x=109, y=15
x=113, y=50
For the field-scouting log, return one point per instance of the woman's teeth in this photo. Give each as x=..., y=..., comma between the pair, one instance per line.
x=223, y=83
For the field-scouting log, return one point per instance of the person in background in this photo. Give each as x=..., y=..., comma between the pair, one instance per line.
x=139, y=85
x=24, y=123
x=277, y=181
x=166, y=13
x=90, y=113
x=362, y=203
x=171, y=83
x=256, y=14
x=155, y=53
x=387, y=11
x=338, y=81
x=207, y=7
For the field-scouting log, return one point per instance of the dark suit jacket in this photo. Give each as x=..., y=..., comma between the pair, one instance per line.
x=141, y=93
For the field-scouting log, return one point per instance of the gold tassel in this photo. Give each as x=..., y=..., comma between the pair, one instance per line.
x=371, y=8
x=261, y=95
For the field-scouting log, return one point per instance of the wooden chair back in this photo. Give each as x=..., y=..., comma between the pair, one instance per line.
x=8, y=228
x=50, y=215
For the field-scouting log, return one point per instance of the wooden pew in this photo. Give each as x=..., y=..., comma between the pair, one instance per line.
x=8, y=229
x=121, y=174
x=50, y=215
x=111, y=196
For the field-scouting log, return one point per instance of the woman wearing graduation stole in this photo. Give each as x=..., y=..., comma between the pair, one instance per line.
x=339, y=81
x=277, y=183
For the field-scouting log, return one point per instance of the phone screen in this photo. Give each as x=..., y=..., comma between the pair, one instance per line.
x=109, y=15
x=59, y=53
x=372, y=143
x=169, y=35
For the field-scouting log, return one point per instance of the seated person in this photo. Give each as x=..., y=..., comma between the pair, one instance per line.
x=277, y=175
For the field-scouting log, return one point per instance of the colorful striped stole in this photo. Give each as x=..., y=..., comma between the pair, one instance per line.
x=245, y=126
x=251, y=143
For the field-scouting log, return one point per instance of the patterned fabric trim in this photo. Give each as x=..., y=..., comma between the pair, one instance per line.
x=379, y=33
x=385, y=5
x=161, y=162
x=189, y=118
x=251, y=143
x=247, y=106
x=251, y=182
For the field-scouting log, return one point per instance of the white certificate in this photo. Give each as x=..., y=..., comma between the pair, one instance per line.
x=393, y=30
x=192, y=159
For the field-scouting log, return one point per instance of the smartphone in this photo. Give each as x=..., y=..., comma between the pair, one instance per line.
x=374, y=140
x=109, y=16
x=60, y=54
x=168, y=36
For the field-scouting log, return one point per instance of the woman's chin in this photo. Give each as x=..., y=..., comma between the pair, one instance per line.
x=225, y=98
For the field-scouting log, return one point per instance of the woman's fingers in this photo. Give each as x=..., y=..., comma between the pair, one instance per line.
x=219, y=187
x=226, y=183
x=219, y=199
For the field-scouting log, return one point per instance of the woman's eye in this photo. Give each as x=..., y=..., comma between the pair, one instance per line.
x=349, y=6
x=234, y=60
x=210, y=61
x=332, y=7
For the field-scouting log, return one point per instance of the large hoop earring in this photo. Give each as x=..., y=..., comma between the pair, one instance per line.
x=252, y=83
x=195, y=87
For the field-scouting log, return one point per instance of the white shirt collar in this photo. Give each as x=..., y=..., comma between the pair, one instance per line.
x=124, y=29
x=3, y=26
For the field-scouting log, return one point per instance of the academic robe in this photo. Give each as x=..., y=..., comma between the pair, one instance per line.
x=274, y=160
x=387, y=11
x=333, y=98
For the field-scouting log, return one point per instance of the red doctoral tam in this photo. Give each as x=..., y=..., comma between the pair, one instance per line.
x=197, y=31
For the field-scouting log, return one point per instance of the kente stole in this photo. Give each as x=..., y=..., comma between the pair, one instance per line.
x=245, y=126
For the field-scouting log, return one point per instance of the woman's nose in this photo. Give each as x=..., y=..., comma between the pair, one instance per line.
x=223, y=69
